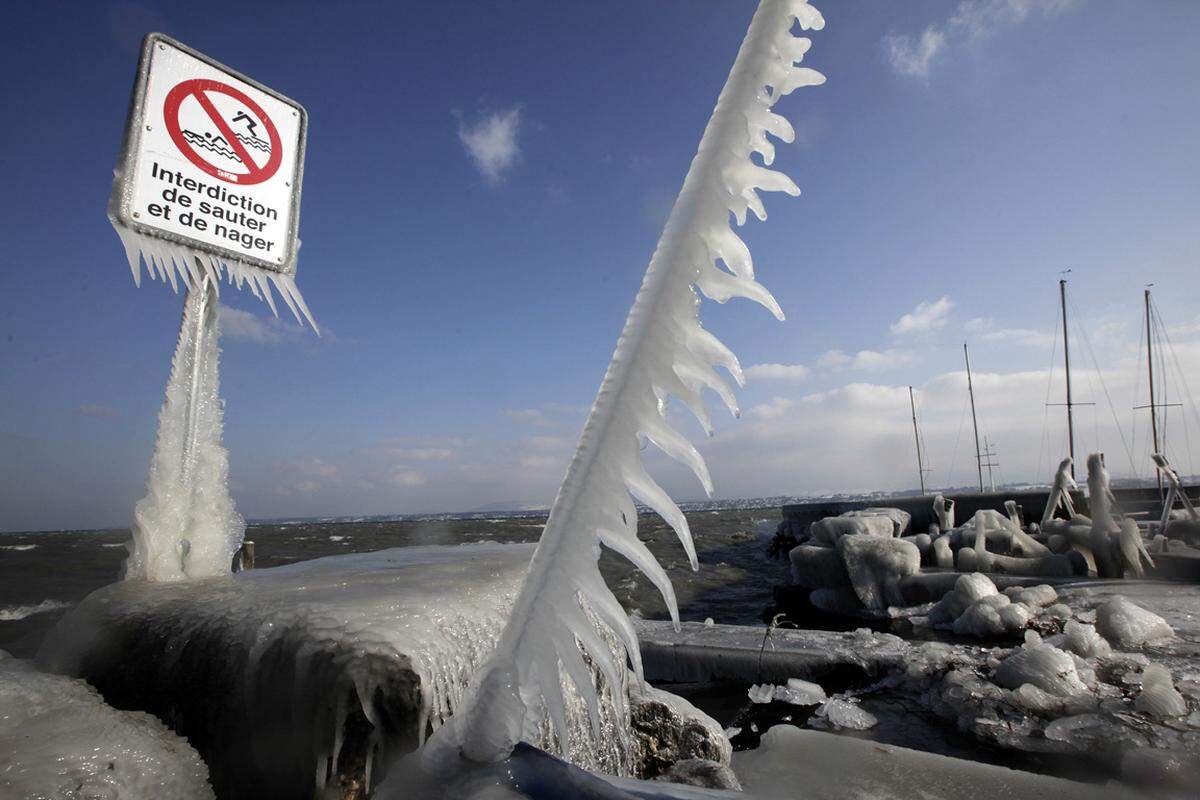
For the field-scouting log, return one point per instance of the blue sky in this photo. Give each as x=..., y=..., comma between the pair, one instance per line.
x=485, y=183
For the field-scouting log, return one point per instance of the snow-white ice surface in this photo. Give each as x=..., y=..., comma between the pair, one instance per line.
x=60, y=741
x=662, y=352
x=186, y=525
x=792, y=763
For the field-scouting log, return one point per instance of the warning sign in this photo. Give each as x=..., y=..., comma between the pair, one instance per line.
x=212, y=159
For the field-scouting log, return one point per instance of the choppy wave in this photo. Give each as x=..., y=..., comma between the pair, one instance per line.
x=17, y=546
x=15, y=613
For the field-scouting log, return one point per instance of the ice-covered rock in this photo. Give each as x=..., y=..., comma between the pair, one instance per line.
x=1043, y=665
x=924, y=545
x=699, y=772
x=876, y=565
x=829, y=530
x=982, y=618
x=670, y=729
x=899, y=517
x=59, y=740
x=967, y=590
x=818, y=567
x=1038, y=596
x=1083, y=640
x=1038, y=701
x=1126, y=624
x=1158, y=697
x=843, y=714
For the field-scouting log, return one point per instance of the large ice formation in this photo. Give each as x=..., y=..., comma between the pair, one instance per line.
x=306, y=669
x=663, y=351
x=60, y=741
x=186, y=525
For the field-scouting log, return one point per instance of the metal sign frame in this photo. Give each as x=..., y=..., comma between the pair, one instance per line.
x=120, y=202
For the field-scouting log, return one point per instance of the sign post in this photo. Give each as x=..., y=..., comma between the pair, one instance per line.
x=207, y=186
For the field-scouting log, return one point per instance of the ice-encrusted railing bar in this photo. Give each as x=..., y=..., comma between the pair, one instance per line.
x=662, y=351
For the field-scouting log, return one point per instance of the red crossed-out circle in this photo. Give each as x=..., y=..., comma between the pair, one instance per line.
x=197, y=87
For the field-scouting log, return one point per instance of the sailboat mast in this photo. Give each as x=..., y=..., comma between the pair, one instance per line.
x=917, y=437
x=1062, y=293
x=974, y=421
x=1150, y=374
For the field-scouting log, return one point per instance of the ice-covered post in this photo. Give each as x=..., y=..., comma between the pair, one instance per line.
x=207, y=187
x=186, y=525
x=662, y=351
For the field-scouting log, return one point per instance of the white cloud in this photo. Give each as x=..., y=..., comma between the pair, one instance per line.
x=492, y=142
x=1026, y=337
x=786, y=373
x=840, y=361
x=402, y=475
x=246, y=326
x=913, y=57
x=971, y=22
x=422, y=453
x=927, y=316
x=774, y=408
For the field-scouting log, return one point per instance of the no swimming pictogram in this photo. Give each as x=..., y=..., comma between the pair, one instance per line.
x=226, y=142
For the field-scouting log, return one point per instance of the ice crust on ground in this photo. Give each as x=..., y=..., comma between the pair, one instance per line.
x=791, y=763
x=662, y=352
x=60, y=741
x=186, y=526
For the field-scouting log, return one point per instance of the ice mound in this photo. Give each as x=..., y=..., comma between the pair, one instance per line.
x=1158, y=697
x=1043, y=665
x=301, y=670
x=876, y=564
x=1083, y=640
x=1039, y=596
x=1126, y=624
x=60, y=741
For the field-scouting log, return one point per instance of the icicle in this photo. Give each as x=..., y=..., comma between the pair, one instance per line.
x=164, y=260
x=661, y=349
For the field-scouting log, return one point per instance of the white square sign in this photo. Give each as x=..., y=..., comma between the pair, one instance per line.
x=212, y=159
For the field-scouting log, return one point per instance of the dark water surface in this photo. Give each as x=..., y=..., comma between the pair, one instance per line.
x=44, y=574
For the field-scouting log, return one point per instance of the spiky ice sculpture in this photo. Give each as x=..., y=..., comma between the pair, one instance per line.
x=663, y=351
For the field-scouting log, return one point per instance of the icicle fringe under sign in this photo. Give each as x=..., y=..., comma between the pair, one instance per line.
x=208, y=181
